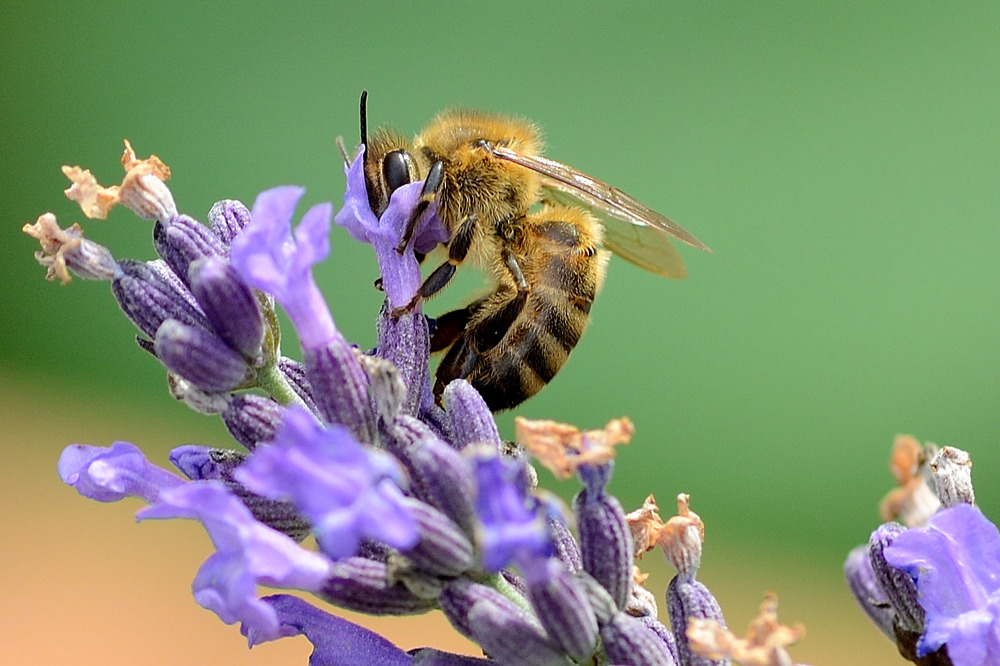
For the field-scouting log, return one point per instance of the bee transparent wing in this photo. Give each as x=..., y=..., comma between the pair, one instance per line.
x=596, y=193
x=646, y=247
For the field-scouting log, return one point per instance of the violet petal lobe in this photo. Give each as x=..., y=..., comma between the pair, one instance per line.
x=113, y=473
x=954, y=561
x=336, y=641
x=348, y=492
x=248, y=553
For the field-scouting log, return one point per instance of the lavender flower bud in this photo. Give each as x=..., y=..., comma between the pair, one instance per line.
x=470, y=419
x=228, y=303
x=688, y=599
x=148, y=299
x=606, y=546
x=362, y=585
x=512, y=638
x=628, y=641
x=566, y=548
x=439, y=474
x=405, y=341
x=443, y=549
x=506, y=632
x=200, y=463
x=227, y=219
x=252, y=419
x=897, y=585
x=867, y=592
x=295, y=373
x=340, y=387
x=184, y=240
x=200, y=357
x=562, y=606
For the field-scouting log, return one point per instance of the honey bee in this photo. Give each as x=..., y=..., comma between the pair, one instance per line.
x=517, y=216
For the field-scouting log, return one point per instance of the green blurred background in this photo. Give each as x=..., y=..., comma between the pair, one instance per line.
x=840, y=158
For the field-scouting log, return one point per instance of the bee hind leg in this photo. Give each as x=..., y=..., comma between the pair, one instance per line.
x=458, y=250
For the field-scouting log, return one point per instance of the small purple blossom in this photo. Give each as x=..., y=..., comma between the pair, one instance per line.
x=248, y=553
x=512, y=527
x=273, y=259
x=400, y=272
x=955, y=562
x=348, y=492
x=108, y=474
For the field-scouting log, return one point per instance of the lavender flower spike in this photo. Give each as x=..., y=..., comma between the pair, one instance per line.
x=248, y=553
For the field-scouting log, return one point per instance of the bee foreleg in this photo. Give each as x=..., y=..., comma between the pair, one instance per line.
x=458, y=250
x=432, y=184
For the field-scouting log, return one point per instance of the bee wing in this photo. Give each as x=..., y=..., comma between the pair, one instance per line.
x=597, y=194
x=647, y=247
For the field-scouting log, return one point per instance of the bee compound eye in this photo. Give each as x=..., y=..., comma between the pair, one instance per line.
x=396, y=170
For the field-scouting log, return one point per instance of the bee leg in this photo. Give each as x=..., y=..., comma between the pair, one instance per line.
x=449, y=326
x=458, y=363
x=432, y=184
x=490, y=331
x=458, y=249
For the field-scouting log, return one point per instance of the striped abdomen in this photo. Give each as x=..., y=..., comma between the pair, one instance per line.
x=511, y=361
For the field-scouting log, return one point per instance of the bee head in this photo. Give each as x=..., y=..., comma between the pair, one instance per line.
x=388, y=162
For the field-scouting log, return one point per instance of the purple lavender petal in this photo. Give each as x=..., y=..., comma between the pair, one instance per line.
x=249, y=553
x=200, y=357
x=512, y=527
x=111, y=474
x=954, y=561
x=270, y=258
x=346, y=491
x=400, y=272
x=229, y=305
x=336, y=641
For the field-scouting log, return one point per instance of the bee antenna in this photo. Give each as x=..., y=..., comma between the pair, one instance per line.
x=364, y=120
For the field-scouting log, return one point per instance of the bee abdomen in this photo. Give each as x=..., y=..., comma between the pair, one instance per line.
x=534, y=349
